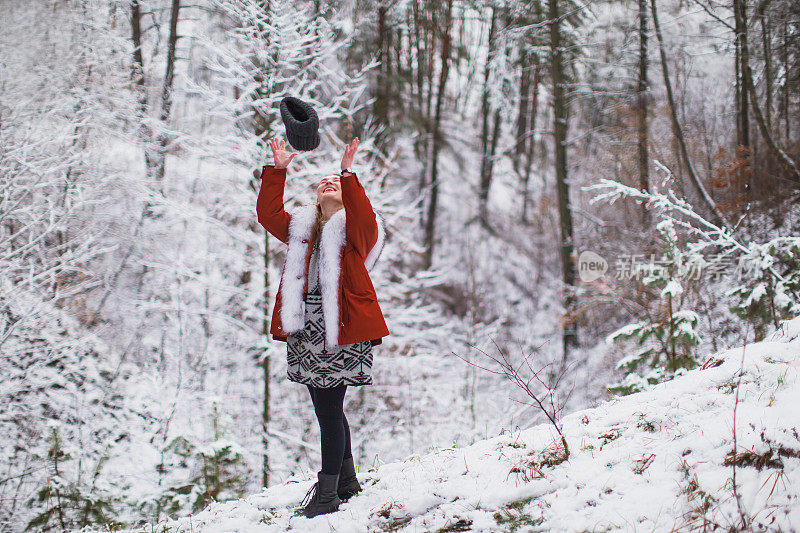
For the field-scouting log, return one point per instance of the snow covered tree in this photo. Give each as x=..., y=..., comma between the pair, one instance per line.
x=216, y=467
x=64, y=419
x=54, y=176
x=665, y=340
x=69, y=497
x=767, y=292
x=770, y=283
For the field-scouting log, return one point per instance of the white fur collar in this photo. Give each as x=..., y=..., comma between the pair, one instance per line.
x=330, y=253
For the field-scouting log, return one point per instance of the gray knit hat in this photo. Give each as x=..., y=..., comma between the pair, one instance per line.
x=301, y=123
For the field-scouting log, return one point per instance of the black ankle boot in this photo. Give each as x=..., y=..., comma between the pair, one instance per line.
x=348, y=483
x=323, y=496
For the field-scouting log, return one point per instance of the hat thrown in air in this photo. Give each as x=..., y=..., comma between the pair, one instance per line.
x=301, y=123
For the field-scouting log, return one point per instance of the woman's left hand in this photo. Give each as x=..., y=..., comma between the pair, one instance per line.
x=349, y=154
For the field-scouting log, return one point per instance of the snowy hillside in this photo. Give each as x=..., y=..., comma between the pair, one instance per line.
x=656, y=460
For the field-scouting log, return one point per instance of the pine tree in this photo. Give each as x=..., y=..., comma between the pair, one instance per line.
x=770, y=284
x=217, y=468
x=72, y=499
x=665, y=341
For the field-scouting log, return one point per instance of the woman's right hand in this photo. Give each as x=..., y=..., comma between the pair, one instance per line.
x=282, y=159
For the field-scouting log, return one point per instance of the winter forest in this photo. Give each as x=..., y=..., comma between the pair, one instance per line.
x=590, y=276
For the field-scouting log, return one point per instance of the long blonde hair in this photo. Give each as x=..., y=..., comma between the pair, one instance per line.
x=316, y=229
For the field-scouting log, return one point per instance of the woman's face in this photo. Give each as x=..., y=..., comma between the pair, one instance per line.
x=330, y=188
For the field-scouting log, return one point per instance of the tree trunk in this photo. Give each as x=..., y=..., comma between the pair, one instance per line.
x=424, y=79
x=560, y=118
x=430, y=223
x=265, y=418
x=737, y=95
x=145, y=133
x=641, y=108
x=537, y=78
x=766, y=40
x=262, y=125
x=524, y=104
x=785, y=58
x=398, y=100
x=136, y=36
x=740, y=21
x=782, y=156
x=420, y=56
x=486, y=111
x=431, y=27
x=381, y=105
x=533, y=115
x=421, y=141
x=676, y=129
x=166, y=89
x=486, y=177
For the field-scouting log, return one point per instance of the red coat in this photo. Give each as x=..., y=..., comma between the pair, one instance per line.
x=350, y=244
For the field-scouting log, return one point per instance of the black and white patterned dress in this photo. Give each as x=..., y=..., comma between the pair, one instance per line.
x=310, y=360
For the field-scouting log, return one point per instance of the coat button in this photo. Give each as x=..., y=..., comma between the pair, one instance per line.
x=300, y=276
x=305, y=240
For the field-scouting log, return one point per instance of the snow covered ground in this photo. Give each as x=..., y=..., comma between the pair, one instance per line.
x=656, y=460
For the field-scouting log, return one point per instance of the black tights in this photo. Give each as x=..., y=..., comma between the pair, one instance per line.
x=333, y=427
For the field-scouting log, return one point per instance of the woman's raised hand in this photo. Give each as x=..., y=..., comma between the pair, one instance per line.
x=282, y=159
x=349, y=154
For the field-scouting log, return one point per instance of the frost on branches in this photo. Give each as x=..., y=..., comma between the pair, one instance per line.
x=767, y=288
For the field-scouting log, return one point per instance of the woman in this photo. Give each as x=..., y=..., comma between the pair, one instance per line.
x=326, y=309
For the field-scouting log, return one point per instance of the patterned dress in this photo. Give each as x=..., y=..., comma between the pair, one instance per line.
x=311, y=361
